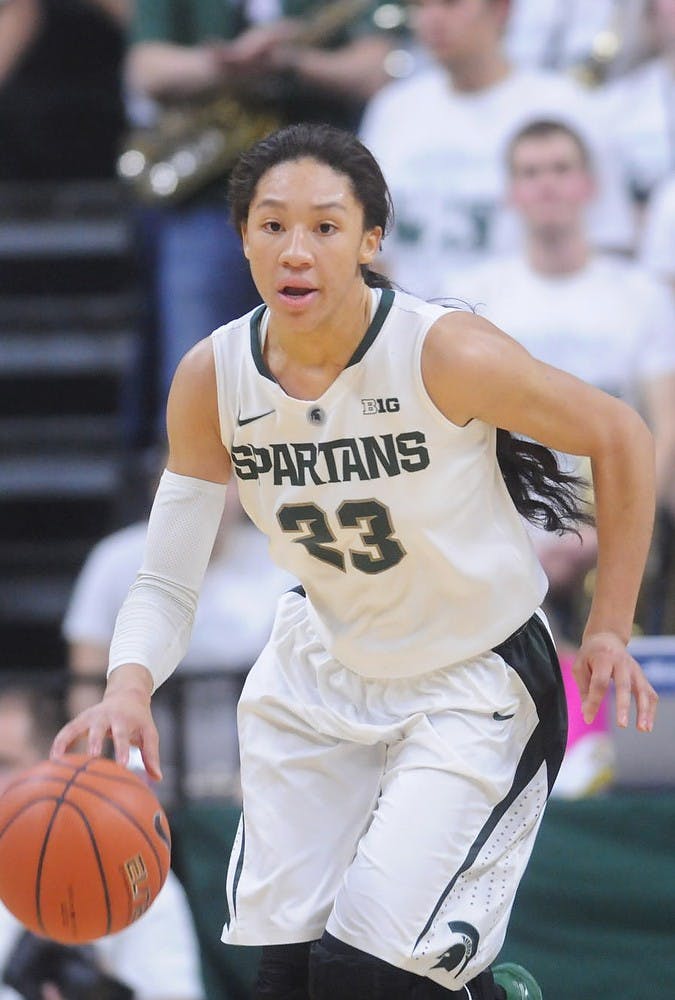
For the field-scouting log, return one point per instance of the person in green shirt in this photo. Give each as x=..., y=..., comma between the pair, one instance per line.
x=287, y=61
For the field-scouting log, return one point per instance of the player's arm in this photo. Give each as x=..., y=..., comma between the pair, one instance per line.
x=154, y=623
x=193, y=428
x=473, y=370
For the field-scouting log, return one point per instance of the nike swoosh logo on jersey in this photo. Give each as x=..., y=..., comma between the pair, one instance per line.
x=498, y=717
x=241, y=422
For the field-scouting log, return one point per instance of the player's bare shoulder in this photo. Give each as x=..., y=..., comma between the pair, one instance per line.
x=194, y=383
x=198, y=365
x=462, y=338
x=461, y=354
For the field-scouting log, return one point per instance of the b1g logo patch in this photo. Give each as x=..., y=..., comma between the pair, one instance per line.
x=390, y=404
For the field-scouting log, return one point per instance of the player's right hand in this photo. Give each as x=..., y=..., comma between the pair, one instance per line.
x=124, y=715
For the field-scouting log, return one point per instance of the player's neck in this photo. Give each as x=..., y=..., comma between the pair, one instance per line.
x=479, y=72
x=558, y=253
x=306, y=361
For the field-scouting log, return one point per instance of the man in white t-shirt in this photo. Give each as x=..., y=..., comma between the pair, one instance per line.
x=601, y=317
x=440, y=135
x=232, y=624
x=640, y=109
x=158, y=955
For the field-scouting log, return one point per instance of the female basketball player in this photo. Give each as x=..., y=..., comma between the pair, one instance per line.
x=402, y=729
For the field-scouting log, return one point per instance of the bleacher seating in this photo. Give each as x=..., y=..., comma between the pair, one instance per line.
x=68, y=332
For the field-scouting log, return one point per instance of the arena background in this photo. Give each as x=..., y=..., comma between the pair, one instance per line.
x=595, y=916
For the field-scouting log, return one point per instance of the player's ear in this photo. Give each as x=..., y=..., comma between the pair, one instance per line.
x=244, y=239
x=370, y=244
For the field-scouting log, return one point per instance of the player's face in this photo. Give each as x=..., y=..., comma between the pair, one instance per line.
x=305, y=241
x=455, y=30
x=551, y=184
x=16, y=750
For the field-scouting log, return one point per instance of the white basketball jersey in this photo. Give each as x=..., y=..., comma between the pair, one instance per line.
x=397, y=521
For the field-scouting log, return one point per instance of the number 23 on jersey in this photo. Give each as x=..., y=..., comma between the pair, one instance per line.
x=380, y=548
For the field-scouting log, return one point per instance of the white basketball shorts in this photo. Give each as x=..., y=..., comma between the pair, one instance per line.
x=398, y=815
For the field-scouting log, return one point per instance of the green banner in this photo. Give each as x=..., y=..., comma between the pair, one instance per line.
x=594, y=918
x=202, y=837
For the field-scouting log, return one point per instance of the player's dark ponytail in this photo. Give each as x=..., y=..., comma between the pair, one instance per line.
x=542, y=492
x=374, y=279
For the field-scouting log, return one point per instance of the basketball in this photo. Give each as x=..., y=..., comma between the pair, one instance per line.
x=84, y=848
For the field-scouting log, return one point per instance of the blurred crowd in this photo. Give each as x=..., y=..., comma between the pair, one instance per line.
x=530, y=150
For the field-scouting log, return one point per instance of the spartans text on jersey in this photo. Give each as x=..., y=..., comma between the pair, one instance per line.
x=339, y=461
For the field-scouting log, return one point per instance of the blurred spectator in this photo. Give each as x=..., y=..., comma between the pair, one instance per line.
x=284, y=61
x=61, y=114
x=440, y=137
x=657, y=254
x=594, y=41
x=158, y=955
x=639, y=108
x=232, y=624
x=600, y=317
x=657, y=246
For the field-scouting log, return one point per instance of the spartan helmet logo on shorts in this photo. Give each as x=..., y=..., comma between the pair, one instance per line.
x=456, y=957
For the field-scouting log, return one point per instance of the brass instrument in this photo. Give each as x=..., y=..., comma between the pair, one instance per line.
x=190, y=146
x=194, y=143
x=617, y=47
x=605, y=48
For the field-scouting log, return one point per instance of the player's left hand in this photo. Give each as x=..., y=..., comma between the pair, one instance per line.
x=603, y=658
x=123, y=714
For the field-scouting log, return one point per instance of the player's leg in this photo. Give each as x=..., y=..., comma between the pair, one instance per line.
x=337, y=970
x=432, y=885
x=283, y=972
x=308, y=795
x=283, y=976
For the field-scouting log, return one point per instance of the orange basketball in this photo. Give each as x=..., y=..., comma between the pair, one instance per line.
x=84, y=848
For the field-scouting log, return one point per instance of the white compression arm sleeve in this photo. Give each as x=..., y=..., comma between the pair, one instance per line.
x=154, y=623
